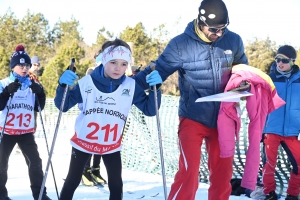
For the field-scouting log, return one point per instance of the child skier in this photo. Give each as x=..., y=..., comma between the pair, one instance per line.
x=283, y=125
x=106, y=96
x=18, y=101
x=91, y=173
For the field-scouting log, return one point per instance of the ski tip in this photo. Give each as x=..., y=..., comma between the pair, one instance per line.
x=99, y=185
x=155, y=195
x=140, y=197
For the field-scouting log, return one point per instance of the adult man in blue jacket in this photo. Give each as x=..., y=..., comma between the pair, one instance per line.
x=203, y=56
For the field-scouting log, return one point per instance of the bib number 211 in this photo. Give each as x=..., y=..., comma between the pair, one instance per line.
x=107, y=129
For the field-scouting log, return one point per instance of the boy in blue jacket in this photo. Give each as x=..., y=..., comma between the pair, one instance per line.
x=106, y=96
x=283, y=125
x=19, y=99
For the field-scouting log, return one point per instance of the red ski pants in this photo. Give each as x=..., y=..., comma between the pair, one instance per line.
x=292, y=147
x=191, y=135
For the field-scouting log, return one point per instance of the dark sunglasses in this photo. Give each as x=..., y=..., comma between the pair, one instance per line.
x=283, y=60
x=215, y=30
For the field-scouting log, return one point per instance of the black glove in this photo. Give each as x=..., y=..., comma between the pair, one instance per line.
x=12, y=87
x=36, y=88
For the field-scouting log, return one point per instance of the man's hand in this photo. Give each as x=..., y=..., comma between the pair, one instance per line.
x=244, y=86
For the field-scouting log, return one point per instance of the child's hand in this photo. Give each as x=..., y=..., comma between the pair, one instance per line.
x=36, y=88
x=12, y=87
x=68, y=78
x=153, y=78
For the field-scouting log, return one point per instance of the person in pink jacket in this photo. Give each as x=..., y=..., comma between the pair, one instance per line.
x=263, y=101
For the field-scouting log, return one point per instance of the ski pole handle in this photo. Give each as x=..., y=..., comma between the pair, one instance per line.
x=152, y=65
x=72, y=65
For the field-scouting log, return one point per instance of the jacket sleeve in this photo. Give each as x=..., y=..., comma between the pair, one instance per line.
x=3, y=98
x=41, y=101
x=72, y=98
x=166, y=64
x=240, y=57
x=144, y=102
x=140, y=78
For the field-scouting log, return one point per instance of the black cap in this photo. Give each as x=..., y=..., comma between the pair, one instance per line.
x=213, y=13
x=288, y=51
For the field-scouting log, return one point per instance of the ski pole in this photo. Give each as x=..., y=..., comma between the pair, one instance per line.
x=55, y=133
x=160, y=143
x=41, y=119
x=11, y=96
x=159, y=137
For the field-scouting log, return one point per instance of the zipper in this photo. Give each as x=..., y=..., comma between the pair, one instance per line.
x=214, y=68
x=286, y=88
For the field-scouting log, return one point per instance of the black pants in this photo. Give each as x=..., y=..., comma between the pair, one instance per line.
x=30, y=151
x=113, y=166
x=96, y=161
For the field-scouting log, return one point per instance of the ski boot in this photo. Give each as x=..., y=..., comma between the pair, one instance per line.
x=87, y=179
x=271, y=196
x=290, y=197
x=97, y=178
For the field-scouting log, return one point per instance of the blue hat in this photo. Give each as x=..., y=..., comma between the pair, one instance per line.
x=20, y=56
x=35, y=59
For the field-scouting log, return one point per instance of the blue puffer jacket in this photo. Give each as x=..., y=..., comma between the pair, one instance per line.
x=285, y=121
x=203, y=68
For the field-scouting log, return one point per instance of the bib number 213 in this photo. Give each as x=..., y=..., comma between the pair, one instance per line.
x=21, y=120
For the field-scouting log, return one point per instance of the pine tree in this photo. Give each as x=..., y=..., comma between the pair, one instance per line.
x=144, y=50
x=261, y=53
x=59, y=63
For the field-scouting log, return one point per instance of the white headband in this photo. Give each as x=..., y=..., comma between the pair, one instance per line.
x=99, y=59
x=119, y=52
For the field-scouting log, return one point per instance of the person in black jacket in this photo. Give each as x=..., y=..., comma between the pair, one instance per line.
x=18, y=102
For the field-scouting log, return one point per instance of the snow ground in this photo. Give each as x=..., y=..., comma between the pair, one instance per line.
x=135, y=183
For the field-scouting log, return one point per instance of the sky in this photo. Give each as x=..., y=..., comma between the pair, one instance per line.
x=135, y=184
x=277, y=19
